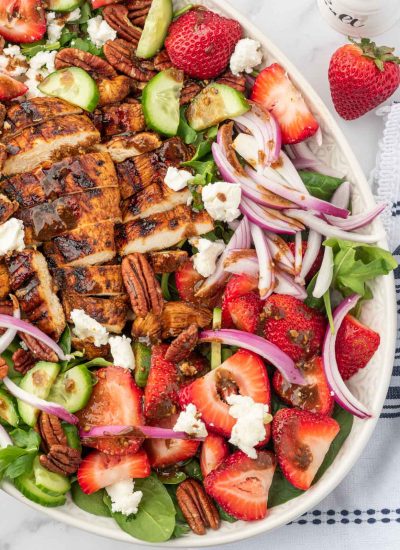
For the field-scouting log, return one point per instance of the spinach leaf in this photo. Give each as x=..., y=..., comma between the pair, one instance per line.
x=65, y=340
x=17, y=459
x=180, y=530
x=29, y=440
x=281, y=490
x=86, y=45
x=185, y=132
x=192, y=469
x=155, y=519
x=97, y=362
x=93, y=504
x=172, y=478
x=224, y=515
x=320, y=186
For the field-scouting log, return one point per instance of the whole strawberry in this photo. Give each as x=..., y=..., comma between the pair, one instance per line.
x=361, y=77
x=201, y=42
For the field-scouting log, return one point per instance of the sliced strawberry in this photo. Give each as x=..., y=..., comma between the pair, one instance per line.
x=245, y=312
x=100, y=3
x=242, y=373
x=241, y=484
x=10, y=88
x=188, y=281
x=214, y=450
x=98, y=470
x=274, y=90
x=318, y=261
x=301, y=441
x=238, y=285
x=161, y=391
x=295, y=328
x=355, y=346
x=115, y=400
x=22, y=20
x=167, y=452
x=315, y=396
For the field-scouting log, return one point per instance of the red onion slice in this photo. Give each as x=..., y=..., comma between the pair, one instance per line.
x=268, y=219
x=289, y=174
x=341, y=392
x=38, y=403
x=10, y=334
x=305, y=158
x=285, y=284
x=281, y=252
x=357, y=220
x=341, y=197
x=313, y=247
x=269, y=351
x=5, y=439
x=325, y=275
x=241, y=262
x=149, y=432
x=298, y=255
x=266, y=281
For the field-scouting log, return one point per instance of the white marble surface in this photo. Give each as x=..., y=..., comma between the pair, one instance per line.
x=297, y=28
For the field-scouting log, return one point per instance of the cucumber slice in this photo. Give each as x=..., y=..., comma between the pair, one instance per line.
x=155, y=28
x=72, y=435
x=160, y=101
x=74, y=85
x=93, y=504
x=214, y=104
x=142, y=363
x=215, y=346
x=63, y=5
x=26, y=485
x=72, y=389
x=8, y=409
x=49, y=482
x=37, y=381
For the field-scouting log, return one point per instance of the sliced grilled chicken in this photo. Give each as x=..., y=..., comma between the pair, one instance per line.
x=3, y=156
x=124, y=147
x=161, y=230
x=36, y=111
x=113, y=90
x=51, y=181
x=51, y=140
x=118, y=119
x=111, y=312
x=5, y=288
x=31, y=282
x=88, y=245
x=167, y=261
x=87, y=346
x=154, y=199
x=7, y=208
x=48, y=220
x=104, y=280
x=137, y=173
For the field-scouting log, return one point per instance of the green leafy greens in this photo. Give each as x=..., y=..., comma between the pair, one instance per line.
x=320, y=186
x=17, y=459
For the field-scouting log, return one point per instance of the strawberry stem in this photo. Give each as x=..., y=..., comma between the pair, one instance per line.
x=379, y=54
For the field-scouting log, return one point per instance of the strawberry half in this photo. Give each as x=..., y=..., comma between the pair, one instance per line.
x=315, y=396
x=167, y=452
x=115, y=400
x=10, y=88
x=201, y=42
x=98, y=470
x=301, y=441
x=241, y=484
x=100, y=3
x=355, y=346
x=274, y=91
x=242, y=373
x=22, y=20
x=214, y=450
x=237, y=286
x=295, y=328
x=187, y=282
x=161, y=391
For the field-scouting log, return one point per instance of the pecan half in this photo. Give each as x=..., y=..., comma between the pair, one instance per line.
x=138, y=11
x=189, y=91
x=93, y=64
x=23, y=361
x=183, y=345
x=178, y=316
x=3, y=368
x=61, y=459
x=197, y=507
x=114, y=90
x=141, y=284
x=167, y=261
x=148, y=327
x=116, y=16
x=121, y=55
x=236, y=82
x=50, y=431
x=162, y=61
x=40, y=351
x=6, y=307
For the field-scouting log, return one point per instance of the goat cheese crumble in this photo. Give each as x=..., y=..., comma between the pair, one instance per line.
x=221, y=200
x=249, y=429
x=54, y=27
x=87, y=327
x=12, y=61
x=124, y=498
x=12, y=236
x=177, y=179
x=74, y=15
x=41, y=65
x=189, y=421
x=121, y=351
x=99, y=31
x=205, y=261
x=246, y=56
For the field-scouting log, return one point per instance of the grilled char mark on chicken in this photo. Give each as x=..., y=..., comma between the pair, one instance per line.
x=104, y=280
x=51, y=181
x=119, y=119
x=136, y=174
x=154, y=199
x=48, y=220
x=111, y=312
x=36, y=111
x=32, y=284
x=161, y=230
x=125, y=146
x=89, y=245
x=7, y=208
x=49, y=141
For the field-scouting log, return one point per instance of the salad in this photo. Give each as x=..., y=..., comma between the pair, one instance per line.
x=181, y=276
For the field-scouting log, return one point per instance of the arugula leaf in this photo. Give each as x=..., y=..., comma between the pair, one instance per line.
x=29, y=50
x=67, y=36
x=328, y=308
x=320, y=186
x=86, y=14
x=86, y=45
x=310, y=301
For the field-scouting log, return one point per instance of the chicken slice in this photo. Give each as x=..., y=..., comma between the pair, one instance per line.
x=51, y=140
x=154, y=199
x=111, y=312
x=111, y=120
x=103, y=280
x=32, y=284
x=5, y=288
x=7, y=208
x=126, y=146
